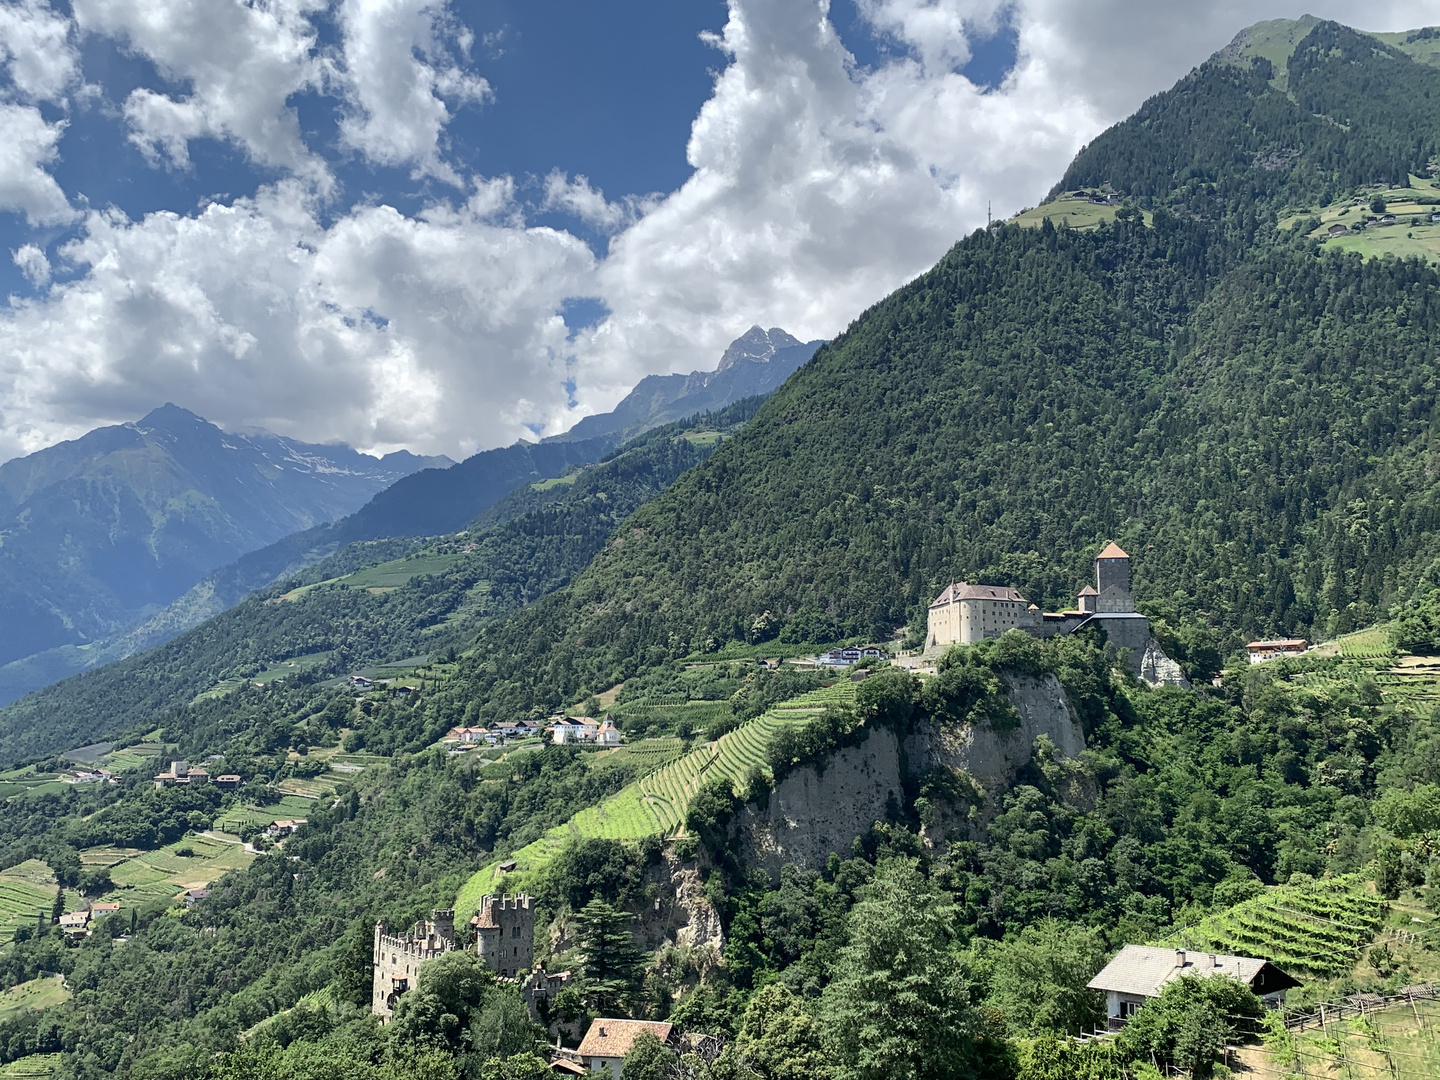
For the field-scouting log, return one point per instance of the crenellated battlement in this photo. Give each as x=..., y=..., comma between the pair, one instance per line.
x=505, y=934
x=398, y=957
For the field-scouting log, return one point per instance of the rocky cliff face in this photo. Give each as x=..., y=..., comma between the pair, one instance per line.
x=681, y=913
x=815, y=811
x=818, y=810
x=991, y=758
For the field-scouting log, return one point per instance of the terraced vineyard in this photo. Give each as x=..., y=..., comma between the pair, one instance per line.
x=1317, y=928
x=31, y=1067
x=143, y=877
x=25, y=889
x=656, y=804
x=293, y=807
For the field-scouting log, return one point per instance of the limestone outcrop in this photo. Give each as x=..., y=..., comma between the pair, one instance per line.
x=817, y=810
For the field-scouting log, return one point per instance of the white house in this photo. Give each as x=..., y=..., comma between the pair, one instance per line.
x=1261, y=651
x=608, y=734
x=608, y=1041
x=1140, y=972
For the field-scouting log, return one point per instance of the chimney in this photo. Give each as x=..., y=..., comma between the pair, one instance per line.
x=1179, y=958
x=1213, y=962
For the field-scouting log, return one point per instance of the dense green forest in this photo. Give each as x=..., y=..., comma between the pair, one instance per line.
x=1247, y=413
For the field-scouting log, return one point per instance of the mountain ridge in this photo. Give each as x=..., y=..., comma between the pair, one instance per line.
x=98, y=531
x=425, y=502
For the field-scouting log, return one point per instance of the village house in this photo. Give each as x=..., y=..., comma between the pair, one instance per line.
x=88, y=776
x=608, y=1041
x=227, y=782
x=360, y=682
x=279, y=829
x=574, y=729
x=466, y=736
x=1337, y=229
x=849, y=656
x=75, y=924
x=1140, y=972
x=100, y=910
x=194, y=896
x=1261, y=651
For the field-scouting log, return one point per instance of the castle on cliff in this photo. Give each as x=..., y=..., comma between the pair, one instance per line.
x=964, y=614
x=504, y=940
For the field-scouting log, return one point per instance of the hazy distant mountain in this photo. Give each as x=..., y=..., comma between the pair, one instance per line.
x=755, y=363
x=426, y=502
x=99, y=532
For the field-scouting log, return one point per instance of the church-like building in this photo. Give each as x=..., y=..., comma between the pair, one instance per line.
x=964, y=614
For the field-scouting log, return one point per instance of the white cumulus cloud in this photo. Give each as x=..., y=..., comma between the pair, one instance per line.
x=28, y=145
x=38, y=52
x=33, y=263
x=241, y=62
x=818, y=185
x=439, y=332
x=401, y=74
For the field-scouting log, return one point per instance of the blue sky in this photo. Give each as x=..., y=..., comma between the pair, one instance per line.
x=446, y=224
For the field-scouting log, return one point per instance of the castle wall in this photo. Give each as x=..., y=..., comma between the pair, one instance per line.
x=505, y=934
x=1112, y=578
x=397, y=958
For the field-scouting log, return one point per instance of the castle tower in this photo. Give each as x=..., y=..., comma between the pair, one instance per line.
x=1112, y=580
x=398, y=958
x=505, y=934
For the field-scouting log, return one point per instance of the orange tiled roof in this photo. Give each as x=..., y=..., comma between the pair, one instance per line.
x=613, y=1038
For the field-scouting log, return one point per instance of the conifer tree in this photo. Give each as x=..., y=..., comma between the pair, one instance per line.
x=607, y=949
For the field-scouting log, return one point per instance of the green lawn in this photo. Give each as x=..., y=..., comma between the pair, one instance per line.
x=1075, y=213
x=1404, y=239
x=393, y=574
x=33, y=996
x=656, y=804
x=555, y=481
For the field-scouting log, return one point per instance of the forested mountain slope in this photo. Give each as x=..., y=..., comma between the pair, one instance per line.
x=1248, y=414
x=430, y=502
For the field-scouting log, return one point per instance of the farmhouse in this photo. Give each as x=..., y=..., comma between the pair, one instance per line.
x=848, y=656
x=1140, y=972
x=88, y=776
x=608, y=1041
x=1261, y=651
x=181, y=773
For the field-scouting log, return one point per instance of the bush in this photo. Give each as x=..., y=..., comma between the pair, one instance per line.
x=1191, y=1021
